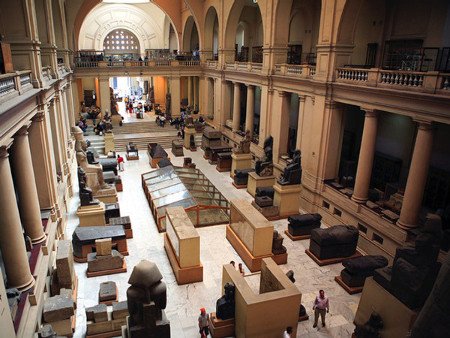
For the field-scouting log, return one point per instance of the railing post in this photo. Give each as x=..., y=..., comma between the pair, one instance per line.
x=430, y=81
x=152, y=63
x=372, y=77
x=102, y=64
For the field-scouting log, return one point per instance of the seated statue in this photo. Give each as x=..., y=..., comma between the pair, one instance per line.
x=244, y=145
x=85, y=193
x=192, y=145
x=96, y=182
x=415, y=268
x=292, y=174
x=264, y=167
x=225, y=305
x=277, y=244
x=147, y=299
x=371, y=329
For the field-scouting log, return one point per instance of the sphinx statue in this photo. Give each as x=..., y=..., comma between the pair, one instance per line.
x=244, y=145
x=94, y=172
x=85, y=193
x=264, y=167
x=292, y=174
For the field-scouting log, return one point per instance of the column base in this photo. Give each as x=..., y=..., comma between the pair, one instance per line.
x=26, y=286
x=359, y=200
x=39, y=239
x=240, y=161
x=406, y=226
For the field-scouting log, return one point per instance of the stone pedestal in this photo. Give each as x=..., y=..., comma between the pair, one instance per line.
x=92, y=215
x=398, y=319
x=287, y=198
x=187, y=137
x=240, y=161
x=220, y=328
x=256, y=181
x=116, y=119
x=109, y=142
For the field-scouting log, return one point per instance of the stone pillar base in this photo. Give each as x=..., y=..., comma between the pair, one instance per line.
x=287, y=198
x=397, y=317
x=256, y=181
x=91, y=215
x=240, y=161
x=187, y=137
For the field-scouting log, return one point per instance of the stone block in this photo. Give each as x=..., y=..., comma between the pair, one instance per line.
x=64, y=264
x=58, y=308
x=97, y=313
x=108, y=291
x=120, y=310
x=101, y=263
x=103, y=246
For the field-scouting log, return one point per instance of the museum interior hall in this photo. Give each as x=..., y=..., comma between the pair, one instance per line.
x=224, y=168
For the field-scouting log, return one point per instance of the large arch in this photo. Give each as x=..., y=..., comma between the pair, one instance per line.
x=105, y=18
x=211, y=19
x=172, y=9
x=233, y=21
x=348, y=22
x=190, y=41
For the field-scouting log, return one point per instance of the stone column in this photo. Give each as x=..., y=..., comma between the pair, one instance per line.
x=301, y=116
x=250, y=110
x=43, y=164
x=105, y=100
x=190, y=91
x=22, y=165
x=209, y=96
x=366, y=155
x=417, y=177
x=12, y=242
x=237, y=107
x=175, y=96
x=280, y=124
x=195, y=90
x=59, y=112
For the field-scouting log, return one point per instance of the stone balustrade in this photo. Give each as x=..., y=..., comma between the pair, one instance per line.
x=17, y=82
x=302, y=71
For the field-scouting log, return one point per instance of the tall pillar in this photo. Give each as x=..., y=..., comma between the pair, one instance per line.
x=41, y=154
x=195, y=91
x=12, y=243
x=190, y=91
x=71, y=107
x=250, y=109
x=237, y=107
x=366, y=155
x=105, y=101
x=175, y=95
x=225, y=101
x=22, y=165
x=417, y=177
x=301, y=116
x=264, y=118
x=209, y=96
x=61, y=133
x=280, y=124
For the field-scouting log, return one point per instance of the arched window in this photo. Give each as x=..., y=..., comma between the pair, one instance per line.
x=121, y=41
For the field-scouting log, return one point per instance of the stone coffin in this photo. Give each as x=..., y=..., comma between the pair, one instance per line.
x=358, y=269
x=223, y=162
x=155, y=154
x=302, y=225
x=334, y=242
x=125, y=222
x=216, y=150
x=177, y=148
x=83, y=240
x=240, y=176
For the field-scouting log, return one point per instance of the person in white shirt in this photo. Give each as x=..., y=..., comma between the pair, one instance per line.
x=321, y=304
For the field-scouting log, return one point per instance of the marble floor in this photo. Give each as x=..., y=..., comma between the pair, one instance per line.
x=185, y=301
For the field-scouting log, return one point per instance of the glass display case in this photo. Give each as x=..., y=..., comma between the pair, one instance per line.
x=186, y=187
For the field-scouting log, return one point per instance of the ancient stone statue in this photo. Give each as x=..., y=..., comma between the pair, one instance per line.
x=225, y=305
x=371, y=329
x=430, y=321
x=85, y=192
x=292, y=174
x=277, y=244
x=94, y=172
x=264, y=167
x=415, y=268
x=189, y=122
x=147, y=299
x=244, y=145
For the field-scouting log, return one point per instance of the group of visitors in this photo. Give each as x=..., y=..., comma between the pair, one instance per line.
x=104, y=125
x=82, y=124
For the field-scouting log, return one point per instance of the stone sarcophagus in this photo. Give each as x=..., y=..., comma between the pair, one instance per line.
x=224, y=162
x=155, y=154
x=211, y=137
x=302, y=225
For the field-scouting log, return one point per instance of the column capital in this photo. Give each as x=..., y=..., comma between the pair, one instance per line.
x=236, y=84
x=23, y=131
x=4, y=150
x=369, y=112
x=301, y=98
x=281, y=93
x=39, y=116
x=424, y=124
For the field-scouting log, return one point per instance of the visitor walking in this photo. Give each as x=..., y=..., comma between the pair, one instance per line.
x=241, y=269
x=203, y=323
x=321, y=306
x=120, y=162
x=288, y=332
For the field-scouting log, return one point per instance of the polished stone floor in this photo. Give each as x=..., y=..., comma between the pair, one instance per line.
x=185, y=301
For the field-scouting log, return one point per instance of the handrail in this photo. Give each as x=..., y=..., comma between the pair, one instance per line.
x=19, y=82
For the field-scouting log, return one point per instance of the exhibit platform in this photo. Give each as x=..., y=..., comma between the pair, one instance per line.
x=323, y=262
x=350, y=290
x=92, y=215
x=287, y=198
x=107, y=272
x=296, y=238
x=220, y=328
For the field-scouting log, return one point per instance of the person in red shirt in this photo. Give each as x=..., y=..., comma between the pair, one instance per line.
x=120, y=162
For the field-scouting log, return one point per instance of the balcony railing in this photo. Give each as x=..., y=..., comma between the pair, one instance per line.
x=244, y=67
x=302, y=71
x=128, y=64
x=17, y=82
x=429, y=82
